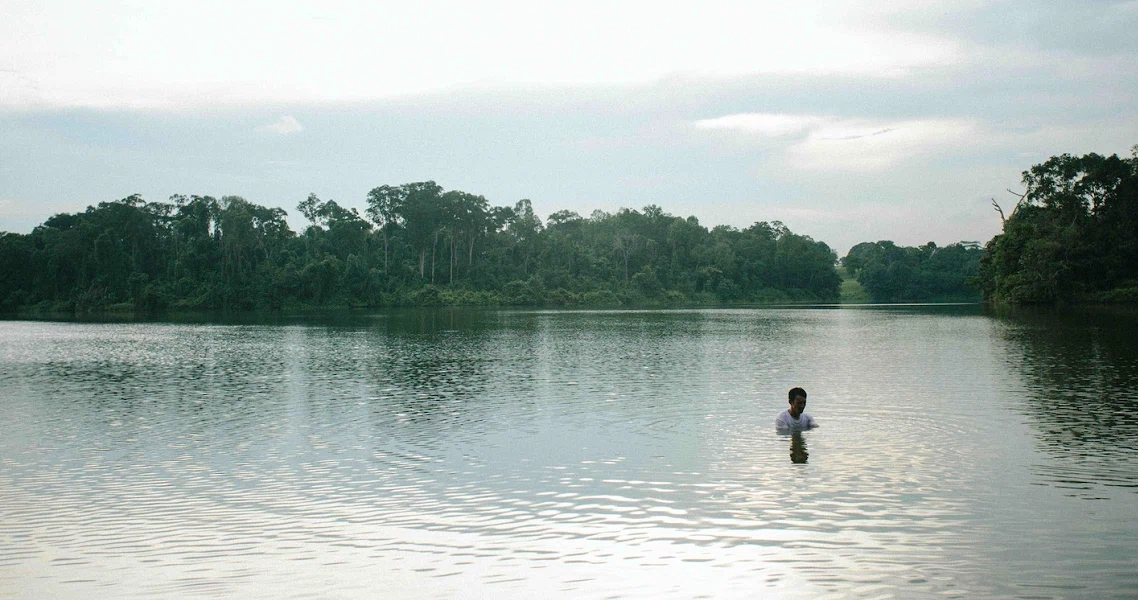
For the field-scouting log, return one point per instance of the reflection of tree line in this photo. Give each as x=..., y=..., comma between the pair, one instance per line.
x=438, y=361
x=479, y=361
x=1083, y=372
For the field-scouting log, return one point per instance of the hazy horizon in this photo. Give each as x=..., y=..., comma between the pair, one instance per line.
x=847, y=122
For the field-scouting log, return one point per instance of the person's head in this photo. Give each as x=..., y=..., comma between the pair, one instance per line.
x=797, y=399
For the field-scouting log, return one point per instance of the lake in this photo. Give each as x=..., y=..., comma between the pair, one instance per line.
x=572, y=454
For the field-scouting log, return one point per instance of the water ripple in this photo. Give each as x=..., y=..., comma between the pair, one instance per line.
x=583, y=455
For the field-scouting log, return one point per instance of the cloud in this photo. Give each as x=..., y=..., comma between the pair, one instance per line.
x=286, y=125
x=131, y=55
x=819, y=142
x=16, y=89
x=864, y=145
x=763, y=124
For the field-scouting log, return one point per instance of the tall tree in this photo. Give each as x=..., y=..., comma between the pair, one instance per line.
x=422, y=216
x=383, y=206
x=1073, y=236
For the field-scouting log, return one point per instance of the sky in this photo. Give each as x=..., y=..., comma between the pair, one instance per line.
x=847, y=121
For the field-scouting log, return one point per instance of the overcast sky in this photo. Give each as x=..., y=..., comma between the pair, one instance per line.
x=847, y=121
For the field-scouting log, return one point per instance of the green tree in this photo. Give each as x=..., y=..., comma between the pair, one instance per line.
x=1072, y=237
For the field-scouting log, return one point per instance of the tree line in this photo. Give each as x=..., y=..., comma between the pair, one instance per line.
x=1072, y=236
x=414, y=244
x=928, y=273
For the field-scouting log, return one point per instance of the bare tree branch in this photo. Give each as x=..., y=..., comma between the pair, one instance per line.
x=999, y=210
x=1021, y=199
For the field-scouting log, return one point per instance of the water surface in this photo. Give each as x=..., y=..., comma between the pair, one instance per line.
x=575, y=454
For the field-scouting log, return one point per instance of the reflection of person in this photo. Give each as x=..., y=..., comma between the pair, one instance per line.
x=798, y=453
x=793, y=418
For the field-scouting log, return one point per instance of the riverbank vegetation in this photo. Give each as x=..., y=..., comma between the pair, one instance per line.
x=1071, y=237
x=416, y=245
x=891, y=273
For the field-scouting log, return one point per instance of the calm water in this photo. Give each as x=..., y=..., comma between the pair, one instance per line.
x=507, y=454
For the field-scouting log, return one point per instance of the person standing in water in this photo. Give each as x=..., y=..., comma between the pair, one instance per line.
x=794, y=418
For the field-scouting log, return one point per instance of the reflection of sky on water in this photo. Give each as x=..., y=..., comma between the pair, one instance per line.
x=567, y=454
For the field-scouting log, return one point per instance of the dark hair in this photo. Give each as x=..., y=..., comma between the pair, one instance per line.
x=796, y=391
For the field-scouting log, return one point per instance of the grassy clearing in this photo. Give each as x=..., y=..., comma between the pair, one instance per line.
x=852, y=292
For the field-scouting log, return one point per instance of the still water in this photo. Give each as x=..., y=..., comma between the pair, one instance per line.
x=558, y=454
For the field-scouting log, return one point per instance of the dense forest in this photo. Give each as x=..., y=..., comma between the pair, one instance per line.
x=1072, y=236
x=415, y=244
x=892, y=273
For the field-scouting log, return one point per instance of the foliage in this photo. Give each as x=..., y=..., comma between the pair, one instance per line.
x=1073, y=236
x=415, y=244
x=891, y=273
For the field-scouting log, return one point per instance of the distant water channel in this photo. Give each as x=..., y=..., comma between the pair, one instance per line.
x=572, y=454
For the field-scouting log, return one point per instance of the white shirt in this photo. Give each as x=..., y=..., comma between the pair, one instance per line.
x=785, y=422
